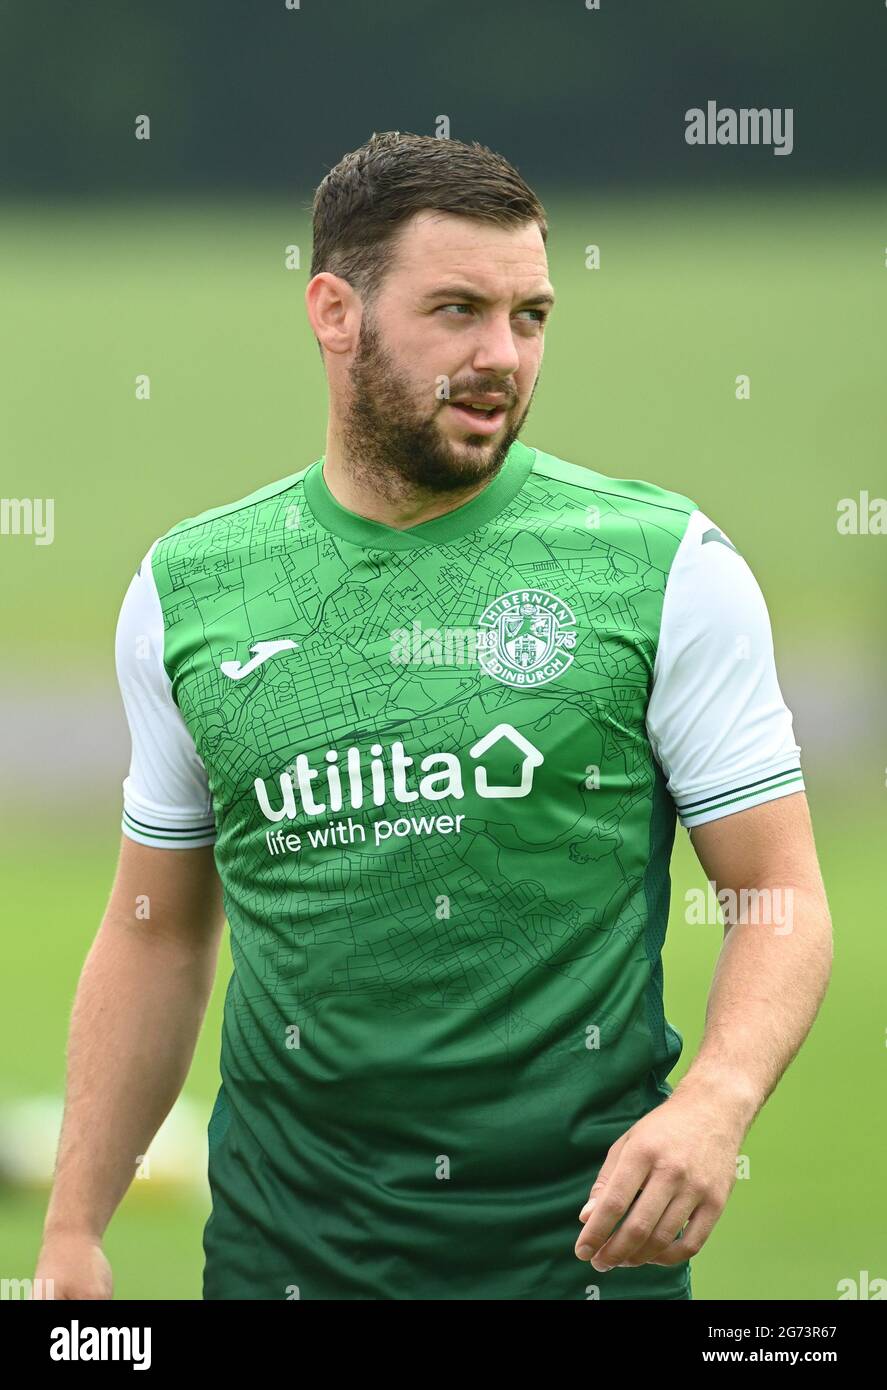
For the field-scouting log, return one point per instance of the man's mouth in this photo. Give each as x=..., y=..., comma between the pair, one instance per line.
x=483, y=417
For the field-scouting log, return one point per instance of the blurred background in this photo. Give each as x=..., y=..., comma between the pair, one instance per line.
x=172, y=257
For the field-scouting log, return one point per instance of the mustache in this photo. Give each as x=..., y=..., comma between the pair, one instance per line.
x=490, y=389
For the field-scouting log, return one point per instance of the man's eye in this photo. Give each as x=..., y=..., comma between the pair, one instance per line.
x=537, y=315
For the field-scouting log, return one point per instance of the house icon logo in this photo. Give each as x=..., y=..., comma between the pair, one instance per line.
x=526, y=638
x=532, y=758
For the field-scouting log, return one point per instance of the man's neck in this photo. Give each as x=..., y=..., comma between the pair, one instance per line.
x=397, y=504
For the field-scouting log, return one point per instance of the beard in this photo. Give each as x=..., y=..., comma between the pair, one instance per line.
x=396, y=448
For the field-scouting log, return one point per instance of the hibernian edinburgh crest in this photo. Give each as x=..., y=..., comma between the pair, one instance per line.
x=526, y=637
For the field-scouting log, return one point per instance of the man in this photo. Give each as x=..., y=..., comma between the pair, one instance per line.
x=444, y=864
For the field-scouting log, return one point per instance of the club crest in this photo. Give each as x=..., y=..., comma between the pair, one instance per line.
x=526, y=637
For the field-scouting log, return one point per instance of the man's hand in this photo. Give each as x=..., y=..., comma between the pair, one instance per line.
x=72, y=1266
x=676, y=1165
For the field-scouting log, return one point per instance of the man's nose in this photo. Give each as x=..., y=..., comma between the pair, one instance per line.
x=496, y=351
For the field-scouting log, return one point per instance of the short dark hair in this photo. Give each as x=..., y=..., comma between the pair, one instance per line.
x=362, y=203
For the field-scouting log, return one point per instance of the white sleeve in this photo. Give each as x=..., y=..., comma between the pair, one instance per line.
x=716, y=719
x=166, y=798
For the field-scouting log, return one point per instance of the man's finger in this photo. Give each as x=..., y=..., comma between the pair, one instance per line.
x=646, y=1215
x=607, y=1167
x=667, y=1229
x=612, y=1201
x=691, y=1241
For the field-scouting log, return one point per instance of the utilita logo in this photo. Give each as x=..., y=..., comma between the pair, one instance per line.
x=319, y=792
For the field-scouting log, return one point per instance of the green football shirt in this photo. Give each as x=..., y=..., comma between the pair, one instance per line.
x=441, y=768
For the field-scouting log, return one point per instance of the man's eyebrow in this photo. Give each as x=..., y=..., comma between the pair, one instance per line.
x=472, y=296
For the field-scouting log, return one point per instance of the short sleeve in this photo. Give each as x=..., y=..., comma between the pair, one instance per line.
x=166, y=798
x=716, y=719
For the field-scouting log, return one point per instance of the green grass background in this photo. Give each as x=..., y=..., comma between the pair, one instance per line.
x=638, y=381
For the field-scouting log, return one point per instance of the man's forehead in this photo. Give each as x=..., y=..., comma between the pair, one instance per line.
x=433, y=242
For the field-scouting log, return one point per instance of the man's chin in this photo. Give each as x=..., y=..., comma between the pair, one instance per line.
x=463, y=462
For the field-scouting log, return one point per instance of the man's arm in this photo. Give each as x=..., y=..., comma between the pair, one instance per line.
x=776, y=959
x=137, y=1013
x=677, y=1164
x=723, y=735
